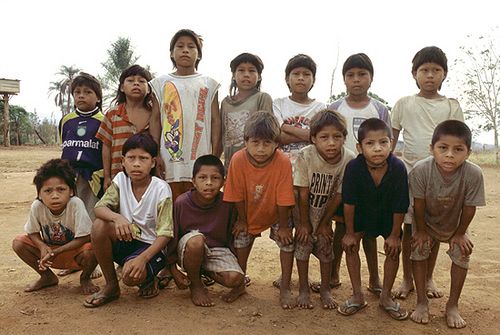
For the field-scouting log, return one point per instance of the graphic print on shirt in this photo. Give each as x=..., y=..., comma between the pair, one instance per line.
x=356, y=122
x=257, y=194
x=199, y=123
x=301, y=122
x=322, y=187
x=56, y=234
x=172, y=127
x=235, y=122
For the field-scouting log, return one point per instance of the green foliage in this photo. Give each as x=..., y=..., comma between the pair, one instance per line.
x=61, y=88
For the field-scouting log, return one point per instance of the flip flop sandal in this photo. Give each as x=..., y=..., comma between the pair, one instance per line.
x=207, y=281
x=316, y=286
x=349, y=308
x=395, y=312
x=247, y=280
x=164, y=281
x=375, y=290
x=97, y=300
x=150, y=289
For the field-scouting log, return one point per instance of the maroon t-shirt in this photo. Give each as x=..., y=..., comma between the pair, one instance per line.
x=214, y=221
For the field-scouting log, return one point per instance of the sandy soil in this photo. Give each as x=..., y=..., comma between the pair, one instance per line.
x=59, y=310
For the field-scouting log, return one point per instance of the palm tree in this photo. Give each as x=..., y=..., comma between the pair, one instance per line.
x=62, y=88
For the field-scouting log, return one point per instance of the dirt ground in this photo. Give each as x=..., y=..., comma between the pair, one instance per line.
x=59, y=310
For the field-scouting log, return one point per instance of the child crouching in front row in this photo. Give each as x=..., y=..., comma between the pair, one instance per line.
x=134, y=223
x=58, y=229
x=203, y=225
x=375, y=195
x=259, y=182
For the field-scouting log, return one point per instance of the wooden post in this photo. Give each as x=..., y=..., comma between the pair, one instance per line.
x=6, y=118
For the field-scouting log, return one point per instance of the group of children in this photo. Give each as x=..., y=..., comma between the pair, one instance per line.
x=291, y=168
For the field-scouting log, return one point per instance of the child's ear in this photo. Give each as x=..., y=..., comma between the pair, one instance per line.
x=358, y=147
x=414, y=74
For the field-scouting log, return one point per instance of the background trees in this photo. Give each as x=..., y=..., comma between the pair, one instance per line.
x=61, y=88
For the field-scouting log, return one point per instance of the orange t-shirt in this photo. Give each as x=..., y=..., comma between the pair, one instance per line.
x=262, y=189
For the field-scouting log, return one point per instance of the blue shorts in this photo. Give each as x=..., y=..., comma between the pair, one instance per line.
x=124, y=251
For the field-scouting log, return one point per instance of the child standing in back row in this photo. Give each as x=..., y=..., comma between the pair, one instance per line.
x=244, y=99
x=185, y=121
x=357, y=107
x=417, y=116
x=81, y=147
x=446, y=189
x=130, y=116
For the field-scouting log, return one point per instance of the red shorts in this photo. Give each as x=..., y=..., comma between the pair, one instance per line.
x=64, y=260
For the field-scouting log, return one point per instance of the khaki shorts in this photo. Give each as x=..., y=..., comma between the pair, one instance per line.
x=245, y=239
x=319, y=246
x=216, y=259
x=456, y=256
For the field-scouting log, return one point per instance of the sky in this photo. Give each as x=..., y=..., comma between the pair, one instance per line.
x=43, y=35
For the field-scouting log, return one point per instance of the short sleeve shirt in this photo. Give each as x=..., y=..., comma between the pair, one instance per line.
x=261, y=189
x=445, y=197
x=73, y=222
x=324, y=180
x=375, y=205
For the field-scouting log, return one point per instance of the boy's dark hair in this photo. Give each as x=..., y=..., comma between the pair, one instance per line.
x=208, y=160
x=453, y=128
x=198, y=40
x=245, y=58
x=359, y=60
x=134, y=70
x=430, y=55
x=327, y=117
x=372, y=124
x=60, y=168
x=88, y=80
x=301, y=60
x=144, y=141
x=262, y=125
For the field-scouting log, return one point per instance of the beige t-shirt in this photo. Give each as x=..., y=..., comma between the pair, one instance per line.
x=73, y=222
x=323, y=179
x=445, y=198
x=417, y=117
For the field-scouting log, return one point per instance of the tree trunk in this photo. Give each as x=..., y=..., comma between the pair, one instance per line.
x=497, y=158
x=6, y=121
x=40, y=137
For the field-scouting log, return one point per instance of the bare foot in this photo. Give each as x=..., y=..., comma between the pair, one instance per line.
x=432, y=291
x=327, y=300
x=234, y=294
x=180, y=279
x=199, y=296
x=65, y=272
x=453, y=318
x=104, y=296
x=88, y=287
x=420, y=314
x=404, y=289
x=47, y=279
x=304, y=300
x=97, y=273
x=286, y=299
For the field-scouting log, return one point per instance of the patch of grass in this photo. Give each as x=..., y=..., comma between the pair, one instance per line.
x=486, y=158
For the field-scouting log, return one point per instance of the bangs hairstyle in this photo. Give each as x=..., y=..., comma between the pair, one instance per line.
x=301, y=60
x=430, y=55
x=262, y=125
x=327, y=117
x=142, y=140
x=88, y=80
x=245, y=58
x=360, y=60
x=198, y=40
x=373, y=124
x=60, y=168
x=208, y=160
x=134, y=70
x=453, y=128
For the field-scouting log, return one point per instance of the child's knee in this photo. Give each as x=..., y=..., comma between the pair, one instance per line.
x=458, y=258
x=85, y=258
x=232, y=278
x=18, y=246
x=195, y=243
x=99, y=228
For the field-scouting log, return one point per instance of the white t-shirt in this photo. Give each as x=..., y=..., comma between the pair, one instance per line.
x=152, y=215
x=295, y=114
x=323, y=179
x=355, y=116
x=73, y=222
x=186, y=114
x=417, y=117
